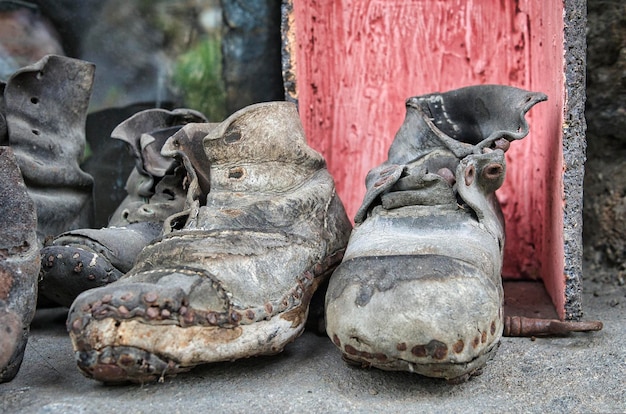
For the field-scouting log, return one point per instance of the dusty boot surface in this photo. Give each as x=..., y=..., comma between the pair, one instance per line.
x=83, y=259
x=234, y=274
x=19, y=265
x=420, y=287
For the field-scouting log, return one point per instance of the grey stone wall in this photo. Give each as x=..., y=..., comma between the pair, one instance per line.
x=604, y=231
x=574, y=153
x=251, y=52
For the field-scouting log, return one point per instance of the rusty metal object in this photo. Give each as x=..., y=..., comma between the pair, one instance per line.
x=420, y=286
x=523, y=326
x=19, y=265
x=234, y=273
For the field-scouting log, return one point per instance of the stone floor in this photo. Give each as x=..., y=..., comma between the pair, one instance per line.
x=580, y=373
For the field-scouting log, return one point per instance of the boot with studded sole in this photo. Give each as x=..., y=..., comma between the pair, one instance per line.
x=82, y=259
x=233, y=276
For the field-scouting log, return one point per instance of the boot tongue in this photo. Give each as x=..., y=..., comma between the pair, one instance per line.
x=186, y=144
x=147, y=131
x=479, y=115
x=151, y=143
x=462, y=121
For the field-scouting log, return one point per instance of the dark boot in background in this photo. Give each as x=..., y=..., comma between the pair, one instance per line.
x=83, y=259
x=19, y=265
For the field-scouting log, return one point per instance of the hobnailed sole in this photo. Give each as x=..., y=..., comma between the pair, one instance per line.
x=108, y=350
x=114, y=350
x=453, y=373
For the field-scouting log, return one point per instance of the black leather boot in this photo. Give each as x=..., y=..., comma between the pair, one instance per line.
x=83, y=259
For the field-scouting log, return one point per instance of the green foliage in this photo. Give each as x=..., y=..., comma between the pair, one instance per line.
x=197, y=78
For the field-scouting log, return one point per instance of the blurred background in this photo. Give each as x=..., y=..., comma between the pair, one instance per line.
x=208, y=55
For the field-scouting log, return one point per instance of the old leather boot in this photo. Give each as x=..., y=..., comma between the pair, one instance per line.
x=234, y=275
x=83, y=259
x=19, y=265
x=419, y=288
x=45, y=106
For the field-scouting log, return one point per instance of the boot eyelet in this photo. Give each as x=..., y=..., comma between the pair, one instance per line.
x=147, y=211
x=493, y=171
x=236, y=173
x=232, y=137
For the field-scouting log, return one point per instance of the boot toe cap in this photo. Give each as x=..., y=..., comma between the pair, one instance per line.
x=428, y=314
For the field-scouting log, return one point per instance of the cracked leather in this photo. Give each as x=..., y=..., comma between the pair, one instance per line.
x=19, y=265
x=419, y=288
x=234, y=273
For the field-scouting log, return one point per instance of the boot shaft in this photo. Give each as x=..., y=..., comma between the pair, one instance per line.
x=261, y=171
x=45, y=107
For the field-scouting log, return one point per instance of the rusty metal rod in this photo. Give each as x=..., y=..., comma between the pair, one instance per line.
x=522, y=326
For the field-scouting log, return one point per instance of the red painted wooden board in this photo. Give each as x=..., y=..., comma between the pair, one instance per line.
x=356, y=61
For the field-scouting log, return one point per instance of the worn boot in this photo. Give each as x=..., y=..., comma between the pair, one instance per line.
x=45, y=107
x=234, y=275
x=19, y=265
x=419, y=288
x=83, y=259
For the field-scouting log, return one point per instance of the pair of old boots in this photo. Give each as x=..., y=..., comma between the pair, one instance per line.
x=229, y=229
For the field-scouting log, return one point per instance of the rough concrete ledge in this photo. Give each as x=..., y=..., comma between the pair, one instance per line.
x=581, y=373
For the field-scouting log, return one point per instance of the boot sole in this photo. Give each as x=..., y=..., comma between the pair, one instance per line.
x=116, y=350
